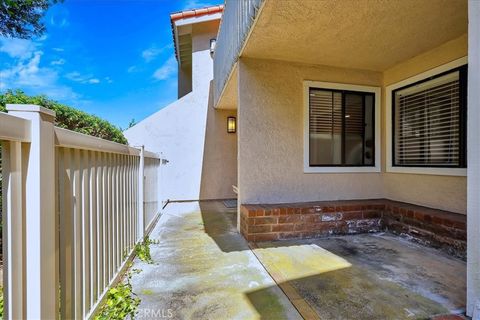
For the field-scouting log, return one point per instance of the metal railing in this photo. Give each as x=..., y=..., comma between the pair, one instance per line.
x=237, y=19
x=74, y=206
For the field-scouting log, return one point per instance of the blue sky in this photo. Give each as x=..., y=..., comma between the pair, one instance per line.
x=112, y=58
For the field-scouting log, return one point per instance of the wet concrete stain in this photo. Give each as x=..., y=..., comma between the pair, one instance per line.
x=389, y=278
x=205, y=270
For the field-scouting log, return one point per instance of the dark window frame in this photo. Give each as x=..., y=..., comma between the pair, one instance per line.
x=463, y=73
x=374, y=112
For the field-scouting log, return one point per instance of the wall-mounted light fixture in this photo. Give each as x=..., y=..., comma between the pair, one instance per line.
x=213, y=42
x=231, y=125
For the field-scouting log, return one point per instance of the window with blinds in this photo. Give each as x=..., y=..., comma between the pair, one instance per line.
x=341, y=128
x=429, y=122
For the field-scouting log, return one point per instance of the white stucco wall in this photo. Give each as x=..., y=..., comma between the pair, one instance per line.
x=178, y=131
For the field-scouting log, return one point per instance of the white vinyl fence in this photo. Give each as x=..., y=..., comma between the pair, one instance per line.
x=74, y=206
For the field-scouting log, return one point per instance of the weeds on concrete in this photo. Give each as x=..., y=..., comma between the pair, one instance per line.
x=142, y=249
x=1, y=302
x=121, y=301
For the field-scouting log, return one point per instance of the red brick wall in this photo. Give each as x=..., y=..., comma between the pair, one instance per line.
x=308, y=220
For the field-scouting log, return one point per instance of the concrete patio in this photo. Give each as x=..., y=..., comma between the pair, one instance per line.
x=204, y=269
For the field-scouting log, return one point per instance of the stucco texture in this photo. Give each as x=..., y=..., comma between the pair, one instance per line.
x=179, y=131
x=364, y=34
x=219, y=170
x=270, y=121
x=442, y=192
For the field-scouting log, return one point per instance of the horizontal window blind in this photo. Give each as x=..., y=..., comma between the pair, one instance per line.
x=338, y=128
x=354, y=118
x=427, y=123
x=325, y=111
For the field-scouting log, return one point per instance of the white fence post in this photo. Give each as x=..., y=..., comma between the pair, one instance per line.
x=141, y=194
x=41, y=271
x=13, y=216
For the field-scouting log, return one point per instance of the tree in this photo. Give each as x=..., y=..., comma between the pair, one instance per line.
x=132, y=123
x=22, y=18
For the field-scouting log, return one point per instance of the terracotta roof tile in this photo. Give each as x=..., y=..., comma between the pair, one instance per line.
x=195, y=12
x=189, y=14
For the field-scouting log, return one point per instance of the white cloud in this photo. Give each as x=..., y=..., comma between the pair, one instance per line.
x=167, y=70
x=132, y=69
x=82, y=78
x=28, y=75
x=60, y=22
x=108, y=79
x=152, y=52
x=58, y=62
x=58, y=49
x=76, y=76
x=18, y=48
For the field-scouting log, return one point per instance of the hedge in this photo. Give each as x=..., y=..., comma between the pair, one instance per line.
x=67, y=117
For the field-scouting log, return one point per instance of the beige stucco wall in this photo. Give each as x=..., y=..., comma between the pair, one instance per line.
x=270, y=148
x=270, y=121
x=443, y=192
x=219, y=171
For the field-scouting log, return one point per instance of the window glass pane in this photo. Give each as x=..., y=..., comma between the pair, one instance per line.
x=427, y=123
x=354, y=126
x=369, y=141
x=325, y=127
x=341, y=128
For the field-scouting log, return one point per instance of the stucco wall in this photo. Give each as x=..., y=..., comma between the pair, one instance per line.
x=270, y=120
x=219, y=170
x=178, y=132
x=184, y=80
x=443, y=192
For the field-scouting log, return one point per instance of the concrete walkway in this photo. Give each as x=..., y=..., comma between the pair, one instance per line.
x=205, y=270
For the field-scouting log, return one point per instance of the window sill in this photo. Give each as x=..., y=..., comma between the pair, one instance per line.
x=340, y=169
x=460, y=172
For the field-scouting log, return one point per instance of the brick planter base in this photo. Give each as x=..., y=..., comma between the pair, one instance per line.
x=437, y=228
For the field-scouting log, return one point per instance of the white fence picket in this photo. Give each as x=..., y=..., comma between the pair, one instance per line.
x=101, y=188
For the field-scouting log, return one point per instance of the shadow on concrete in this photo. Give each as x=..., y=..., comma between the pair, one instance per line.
x=381, y=277
x=220, y=224
x=346, y=294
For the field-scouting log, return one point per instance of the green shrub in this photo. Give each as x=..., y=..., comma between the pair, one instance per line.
x=121, y=301
x=142, y=250
x=1, y=302
x=67, y=117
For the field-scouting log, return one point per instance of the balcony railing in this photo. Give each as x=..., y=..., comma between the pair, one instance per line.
x=237, y=19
